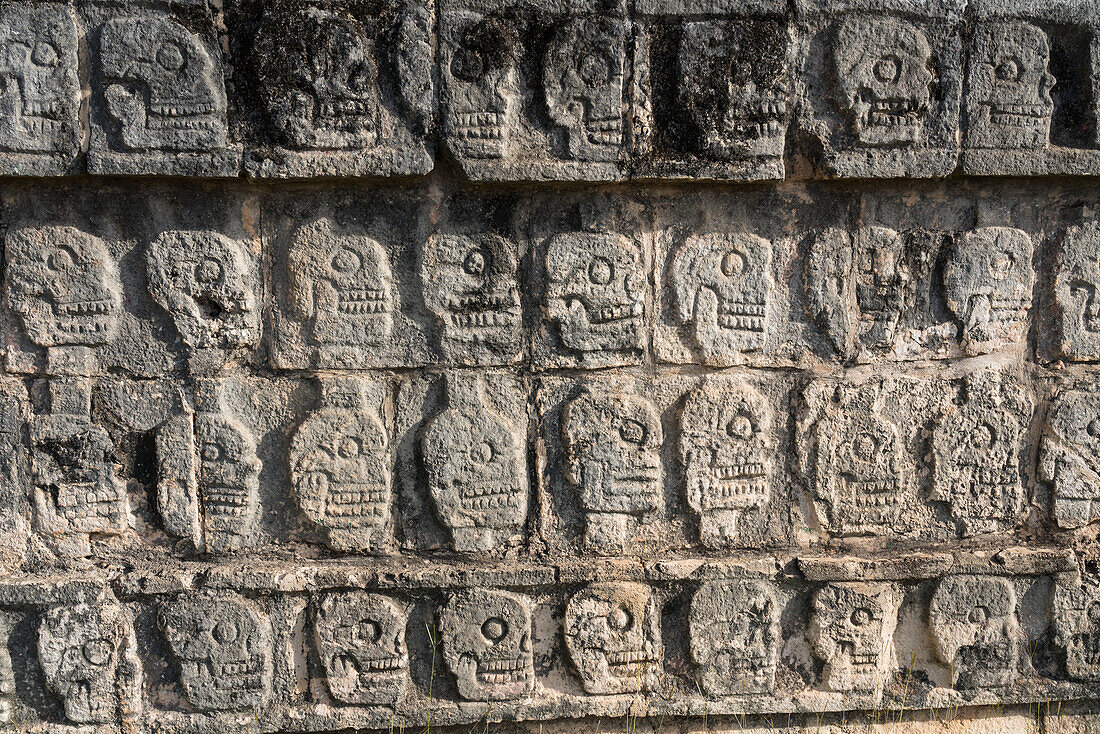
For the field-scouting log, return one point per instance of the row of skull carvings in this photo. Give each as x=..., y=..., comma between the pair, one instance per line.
x=341, y=303
x=856, y=450
x=346, y=88
x=223, y=644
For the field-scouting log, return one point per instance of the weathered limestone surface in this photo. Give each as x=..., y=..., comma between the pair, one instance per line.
x=493, y=365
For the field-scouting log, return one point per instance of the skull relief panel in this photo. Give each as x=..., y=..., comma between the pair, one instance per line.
x=1069, y=457
x=613, y=637
x=360, y=638
x=1076, y=614
x=735, y=637
x=1077, y=292
x=487, y=644
x=851, y=630
x=975, y=630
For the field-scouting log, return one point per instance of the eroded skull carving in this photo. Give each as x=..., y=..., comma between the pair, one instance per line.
x=77, y=490
x=734, y=79
x=613, y=637
x=861, y=469
x=722, y=284
x=469, y=284
x=64, y=286
x=229, y=473
x=322, y=89
x=342, y=285
x=222, y=644
x=883, y=76
x=360, y=639
x=987, y=280
x=1008, y=100
x=340, y=468
x=475, y=465
x=975, y=631
x=735, y=637
x=596, y=291
x=39, y=88
x=208, y=284
x=726, y=450
x=975, y=449
x=612, y=441
x=487, y=644
x=162, y=86
x=1077, y=291
x=481, y=85
x=851, y=630
x=1076, y=615
x=583, y=76
x=1069, y=457
x=89, y=658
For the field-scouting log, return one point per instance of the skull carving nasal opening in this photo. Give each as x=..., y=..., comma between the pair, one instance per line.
x=884, y=78
x=487, y=644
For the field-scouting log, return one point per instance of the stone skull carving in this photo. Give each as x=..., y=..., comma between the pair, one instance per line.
x=975, y=450
x=861, y=470
x=222, y=645
x=1077, y=291
x=975, y=631
x=475, y=463
x=360, y=639
x=322, y=89
x=883, y=77
x=725, y=448
x=613, y=637
x=1008, y=100
x=228, y=474
x=343, y=285
x=487, y=644
x=208, y=284
x=612, y=443
x=340, y=468
x=722, y=284
x=481, y=85
x=162, y=85
x=734, y=637
x=583, y=76
x=1076, y=615
x=64, y=286
x=87, y=654
x=1069, y=457
x=987, y=280
x=851, y=630
x=469, y=284
x=596, y=291
x=39, y=88
x=734, y=82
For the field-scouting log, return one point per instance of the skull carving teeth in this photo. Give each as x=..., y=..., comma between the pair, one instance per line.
x=487, y=644
x=883, y=75
x=613, y=637
x=360, y=638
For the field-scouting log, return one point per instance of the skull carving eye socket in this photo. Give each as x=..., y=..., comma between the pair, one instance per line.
x=595, y=68
x=475, y=263
x=370, y=630
x=467, y=65
x=864, y=447
x=97, y=652
x=170, y=56
x=44, y=54
x=225, y=632
x=984, y=436
x=600, y=271
x=209, y=271
x=482, y=453
x=740, y=427
x=1002, y=266
x=1093, y=428
x=632, y=432
x=620, y=619
x=349, y=447
x=888, y=69
x=212, y=452
x=1009, y=70
x=978, y=615
x=861, y=617
x=62, y=258
x=494, y=629
x=734, y=263
x=345, y=261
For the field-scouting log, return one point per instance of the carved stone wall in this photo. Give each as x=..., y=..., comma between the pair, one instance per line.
x=664, y=365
